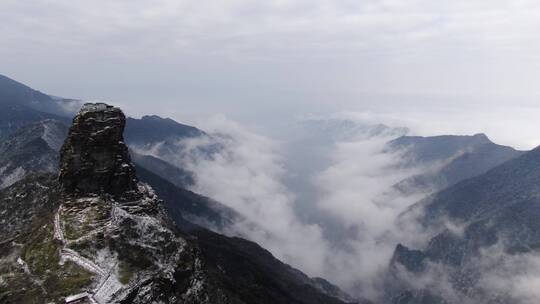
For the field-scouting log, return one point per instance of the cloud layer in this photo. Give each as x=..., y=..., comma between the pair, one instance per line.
x=341, y=227
x=256, y=59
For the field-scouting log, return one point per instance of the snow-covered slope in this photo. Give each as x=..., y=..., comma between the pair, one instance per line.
x=32, y=149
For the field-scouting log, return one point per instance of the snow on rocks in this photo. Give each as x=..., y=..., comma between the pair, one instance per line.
x=58, y=231
x=71, y=255
x=23, y=264
x=107, y=288
x=13, y=177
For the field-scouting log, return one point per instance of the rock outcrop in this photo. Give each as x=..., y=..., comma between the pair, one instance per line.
x=94, y=158
x=112, y=227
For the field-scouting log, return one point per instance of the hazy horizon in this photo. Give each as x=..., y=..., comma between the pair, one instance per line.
x=430, y=120
x=456, y=67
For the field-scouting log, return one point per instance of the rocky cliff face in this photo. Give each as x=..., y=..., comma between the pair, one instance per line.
x=94, y=158
x=107, y=234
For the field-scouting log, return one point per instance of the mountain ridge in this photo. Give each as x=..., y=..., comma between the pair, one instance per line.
x=494, y=213
x=447, y=159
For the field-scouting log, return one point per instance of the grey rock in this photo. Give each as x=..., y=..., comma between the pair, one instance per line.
x=94, y=158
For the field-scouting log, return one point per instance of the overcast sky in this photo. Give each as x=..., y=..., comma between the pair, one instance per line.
x=443, y=66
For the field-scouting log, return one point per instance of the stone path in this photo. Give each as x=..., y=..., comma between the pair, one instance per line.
x=108, y=284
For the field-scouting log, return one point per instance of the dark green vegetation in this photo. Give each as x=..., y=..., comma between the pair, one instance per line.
x=254, y=275
x=30, y=268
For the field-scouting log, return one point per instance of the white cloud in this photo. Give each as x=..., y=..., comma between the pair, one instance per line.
x=246, y=175
x=352, y=186
x=201, y=54
x=356, y=188
x=339, y=219
x=515, y=275
x=505, y=125
x=241, y=25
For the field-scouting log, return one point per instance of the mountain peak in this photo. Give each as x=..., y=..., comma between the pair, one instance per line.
x=94, y=158
x=482, y=138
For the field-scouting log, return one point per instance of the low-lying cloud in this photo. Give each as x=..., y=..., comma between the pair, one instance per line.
x=493, y=276
x=346, y=227
x=515, y=276
x=357, y=190
x=346, y=231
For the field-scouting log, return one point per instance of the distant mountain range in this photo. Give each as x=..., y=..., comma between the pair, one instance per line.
x=343, y=129
x=448, y=159
x=22, y=105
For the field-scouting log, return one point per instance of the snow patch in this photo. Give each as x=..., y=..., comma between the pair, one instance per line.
x=51, y=135
x=72, y=255
x=58, y=231
x=23, y=264
x=13, y=177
